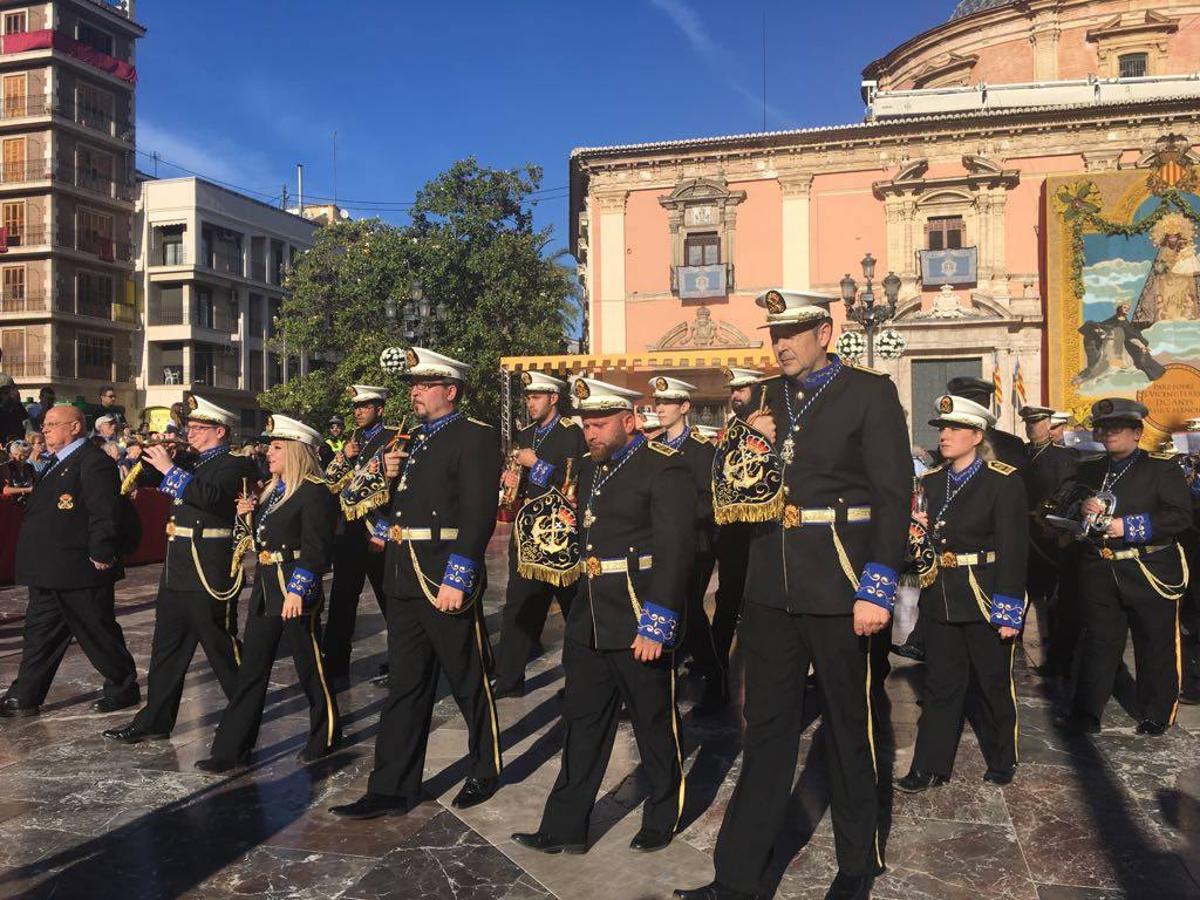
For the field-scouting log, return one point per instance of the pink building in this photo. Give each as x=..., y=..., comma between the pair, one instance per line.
x=944, y=183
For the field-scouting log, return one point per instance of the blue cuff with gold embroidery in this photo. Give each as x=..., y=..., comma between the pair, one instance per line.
x=461, y=573
x=379, y=529
x=541, y=472
x=1137, y=528
x=302, y=582
x=877, y=585
x=659, y=624
x=1007, y=611
x=175, y=481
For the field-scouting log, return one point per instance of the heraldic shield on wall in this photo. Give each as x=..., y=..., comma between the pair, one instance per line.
x=1123, y=287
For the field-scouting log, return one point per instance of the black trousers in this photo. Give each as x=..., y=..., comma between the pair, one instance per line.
x=526, y=605
x=733, y=556
x=597, y=683
x=777, y=648
x=238, y=730
x=1120, y=601
x=956, y=654
x=182, y=620
x=423, y=643
x=698, y=641
x=353, y=565
x=52, y=619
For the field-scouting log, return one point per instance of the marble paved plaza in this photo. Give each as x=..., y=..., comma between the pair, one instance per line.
x=1095, y=818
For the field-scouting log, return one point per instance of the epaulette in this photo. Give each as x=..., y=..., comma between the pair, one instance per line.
x=1002, y=467
x=566, y=422
x=477, y=422
x=316, y=479
x=699, y=438
x=934, y=469
x=859, y=368
x=1155, y=454
x=526, y=427
x=1092, y=457
x=767, y=378
x=662, y=448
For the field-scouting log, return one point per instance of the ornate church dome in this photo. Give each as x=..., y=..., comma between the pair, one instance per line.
x=968, y=7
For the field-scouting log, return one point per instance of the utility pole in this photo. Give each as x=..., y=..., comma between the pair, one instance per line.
x=335, y=167
x=300, y=186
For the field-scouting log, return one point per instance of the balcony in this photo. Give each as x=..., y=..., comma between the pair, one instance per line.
x=27, y=366
x=168, y=255
x=106, y=248
x=67, y=366
x=49, y=39
x=225, y=265
x=90, y=117
x=697, y=282
x=25, y=173
x=95, y=182
x=24, y=107
x=95, y=307
x=27, y=302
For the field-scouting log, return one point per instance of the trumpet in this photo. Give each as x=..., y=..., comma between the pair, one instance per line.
x=173, y=444
x=508, y=499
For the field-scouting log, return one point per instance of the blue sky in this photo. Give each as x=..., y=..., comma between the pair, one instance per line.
x=241, y=91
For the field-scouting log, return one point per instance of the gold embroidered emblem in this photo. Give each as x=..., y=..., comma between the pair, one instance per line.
x=170, y=529
x=395, y=534
x=270, y=424
x=66, y=501
x=949, y=559
x=191, y=401
x=1106, y=553
x=727, y=373
x=581, y=390
x=775, y=303
x=264, y=557
x=660, y=384
x=350, y=392
x=593, y=566
x=526, y=379
x=1103, y=408
x=791, y=516
x=945, y=404
x=411, y=359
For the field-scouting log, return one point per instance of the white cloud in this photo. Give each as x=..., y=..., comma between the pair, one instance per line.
x=716, y=57
x=1114, y=279
x=215, y=158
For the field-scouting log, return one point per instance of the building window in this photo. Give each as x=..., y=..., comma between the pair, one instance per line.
x=702, y=249
x=944, y=233
x=95, y=295
x=171, y=245
x=94, y=170
x=1133, y=65
x=95, y=38
x=13, y=297
x=16, y=22
x=96, y=234
x=13, y=219
x=94, y=107
x=95, y=357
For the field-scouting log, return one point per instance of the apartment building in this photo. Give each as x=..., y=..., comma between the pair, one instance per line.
x=67, y=85
x=210, y=269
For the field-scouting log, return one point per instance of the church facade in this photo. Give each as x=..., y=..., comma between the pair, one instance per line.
x=951, y=181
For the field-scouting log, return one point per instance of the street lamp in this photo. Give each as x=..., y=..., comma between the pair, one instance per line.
x=411, y=313
x=862, y=308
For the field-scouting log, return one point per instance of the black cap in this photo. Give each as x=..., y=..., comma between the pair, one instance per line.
x=975, y=389
x=336, y=420
x=1034, y=413
x=1118, y=409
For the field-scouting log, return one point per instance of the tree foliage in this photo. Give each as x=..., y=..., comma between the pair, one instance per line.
x=472, y=246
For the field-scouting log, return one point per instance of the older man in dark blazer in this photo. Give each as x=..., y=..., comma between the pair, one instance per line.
x=68, y=553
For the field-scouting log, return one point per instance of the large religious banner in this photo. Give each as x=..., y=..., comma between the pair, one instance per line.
x=1123, y=282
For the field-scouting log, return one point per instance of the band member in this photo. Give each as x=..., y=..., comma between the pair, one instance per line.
x=821, y=582
x=292, y=526
x=334, y=441
x=197, y=596
x=1058, y=426
x=68, y=554
x=443, y=512
x=356, y=559
x=733, y=539
x=672, y=403
x=978, y=524
x=639, y=515
x=1051, y=578
x=1132, y=571
x=543, y=447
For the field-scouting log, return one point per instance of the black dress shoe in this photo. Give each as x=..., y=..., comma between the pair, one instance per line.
x=113, y=704
x=372, y=806
x=850, y=887
x=713, y=891
x=513, y=690
x=1152, y=728
x=13, y=708
x=312, y=754
x=474, y=792
x=915, y=782
x=914, y=652
x=544, y=843
x=131, y=734
x=1000, y=776
x=648, y=840
x=216, y=766
x=1076, y=725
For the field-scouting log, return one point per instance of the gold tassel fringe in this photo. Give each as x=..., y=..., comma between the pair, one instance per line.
x=362, y=507
x=768, y=511
x=556, y=577
x=244, y=546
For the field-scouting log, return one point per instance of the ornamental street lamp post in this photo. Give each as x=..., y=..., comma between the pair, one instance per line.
x=862, y=308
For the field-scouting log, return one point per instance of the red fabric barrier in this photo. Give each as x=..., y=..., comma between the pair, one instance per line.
x=44, y=40
x=153, y=508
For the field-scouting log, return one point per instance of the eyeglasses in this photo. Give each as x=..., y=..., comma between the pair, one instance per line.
x=202, y=426
x=426, y=385
x=46, y=425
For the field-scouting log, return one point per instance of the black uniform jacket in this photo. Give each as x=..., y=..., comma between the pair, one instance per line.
x=206, y=499
x=562, y=441
x=698, y=452
x=852, y=450
x=1008, y=448
x=304, y=523
x=1050, y=466
x=367, y=448
x=448, y=494
x=642, y=515
x=1153, y=499
x=988, y=514
x=72, y=517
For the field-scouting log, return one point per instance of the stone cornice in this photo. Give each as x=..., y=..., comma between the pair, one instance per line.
x=1147, y=24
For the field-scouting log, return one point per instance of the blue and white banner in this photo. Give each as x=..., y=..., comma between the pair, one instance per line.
x=940, y=267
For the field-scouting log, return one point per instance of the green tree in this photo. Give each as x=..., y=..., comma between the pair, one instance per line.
x=472, y=247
